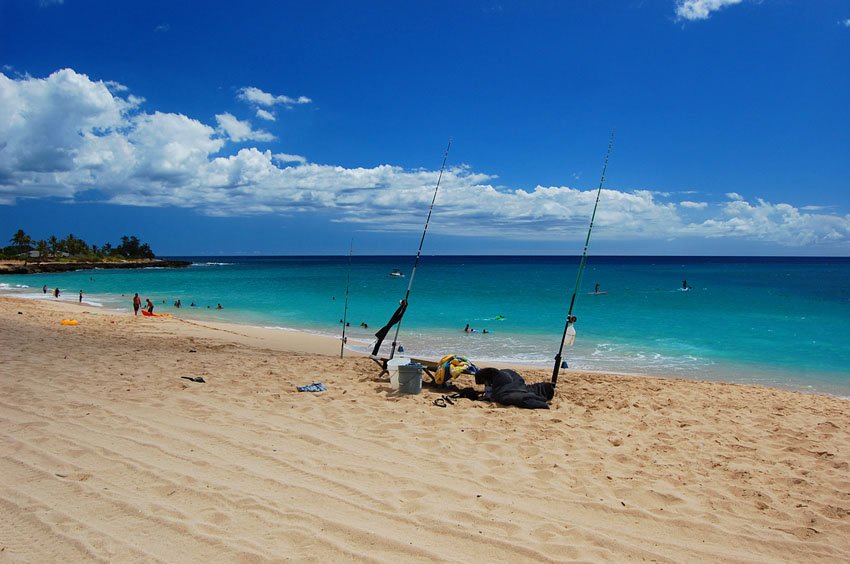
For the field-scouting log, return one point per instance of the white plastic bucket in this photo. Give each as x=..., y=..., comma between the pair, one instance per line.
x=410, y=378
x=392, y=367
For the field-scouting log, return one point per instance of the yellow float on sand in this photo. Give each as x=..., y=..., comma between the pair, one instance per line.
x=69, y=322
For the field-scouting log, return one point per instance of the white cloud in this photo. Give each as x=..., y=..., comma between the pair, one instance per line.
x=285, y=158
x=238, y=130
x=775, y=223
x=170, y=148
x=265, y=114
x=66, y=134
x=701, y=9
x=46, y=125
x=846, y=22
x=255, y=96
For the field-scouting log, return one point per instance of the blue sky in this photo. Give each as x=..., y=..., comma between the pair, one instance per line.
x=295, y=128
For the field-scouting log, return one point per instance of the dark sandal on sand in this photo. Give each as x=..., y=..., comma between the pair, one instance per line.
x=440, y=402
x=199, y=379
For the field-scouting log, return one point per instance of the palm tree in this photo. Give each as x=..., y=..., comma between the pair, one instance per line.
x=42, y=249
x=21, y=239
x=53, y=242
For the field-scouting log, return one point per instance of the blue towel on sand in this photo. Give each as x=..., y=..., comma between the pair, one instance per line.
x=314, y=387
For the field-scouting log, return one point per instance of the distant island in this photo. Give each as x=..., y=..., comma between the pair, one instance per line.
x=28, y=256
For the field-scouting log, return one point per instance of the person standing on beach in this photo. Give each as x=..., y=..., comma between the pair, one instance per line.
x=81, y=296
x=137, y=303
x=56, y=293
x=44, y=288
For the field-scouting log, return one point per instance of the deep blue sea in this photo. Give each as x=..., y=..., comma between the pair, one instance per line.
x=781, y=322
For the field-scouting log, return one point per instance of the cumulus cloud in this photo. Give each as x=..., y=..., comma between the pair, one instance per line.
x=701, y=9
x=238, y=130
x=66, y=134
x=776, y=223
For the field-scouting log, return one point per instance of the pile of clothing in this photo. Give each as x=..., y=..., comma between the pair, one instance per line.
x=508, y=388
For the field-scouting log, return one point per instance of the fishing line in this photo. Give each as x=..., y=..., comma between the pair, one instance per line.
x=570, y=318
x=419, y=251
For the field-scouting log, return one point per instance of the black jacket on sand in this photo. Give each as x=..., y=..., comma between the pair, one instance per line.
x=508, y=388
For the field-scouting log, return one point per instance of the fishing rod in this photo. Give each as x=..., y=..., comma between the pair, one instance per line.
x=419, y=251
x=570, y=317
x=345, y=311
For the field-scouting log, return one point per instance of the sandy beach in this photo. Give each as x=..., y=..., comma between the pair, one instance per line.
x=109, y=454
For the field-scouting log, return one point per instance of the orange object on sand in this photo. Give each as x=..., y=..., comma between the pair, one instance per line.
x=147, y=313
x=68, y=322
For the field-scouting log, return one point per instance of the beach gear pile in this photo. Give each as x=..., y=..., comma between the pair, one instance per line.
x=450, y=367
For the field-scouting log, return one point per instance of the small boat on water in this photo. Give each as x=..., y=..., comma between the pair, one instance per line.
x=397, y=273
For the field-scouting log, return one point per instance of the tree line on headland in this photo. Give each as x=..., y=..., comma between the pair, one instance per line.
x=73, y=248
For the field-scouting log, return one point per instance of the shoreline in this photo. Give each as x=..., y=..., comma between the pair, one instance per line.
x=109, y=451
x=250, y=332
x=616, y=337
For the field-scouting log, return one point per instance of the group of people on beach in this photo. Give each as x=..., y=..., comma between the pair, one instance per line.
x=57, y=292
x=137, y=304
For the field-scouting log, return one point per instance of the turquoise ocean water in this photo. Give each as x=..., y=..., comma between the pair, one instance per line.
x=781, y=322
